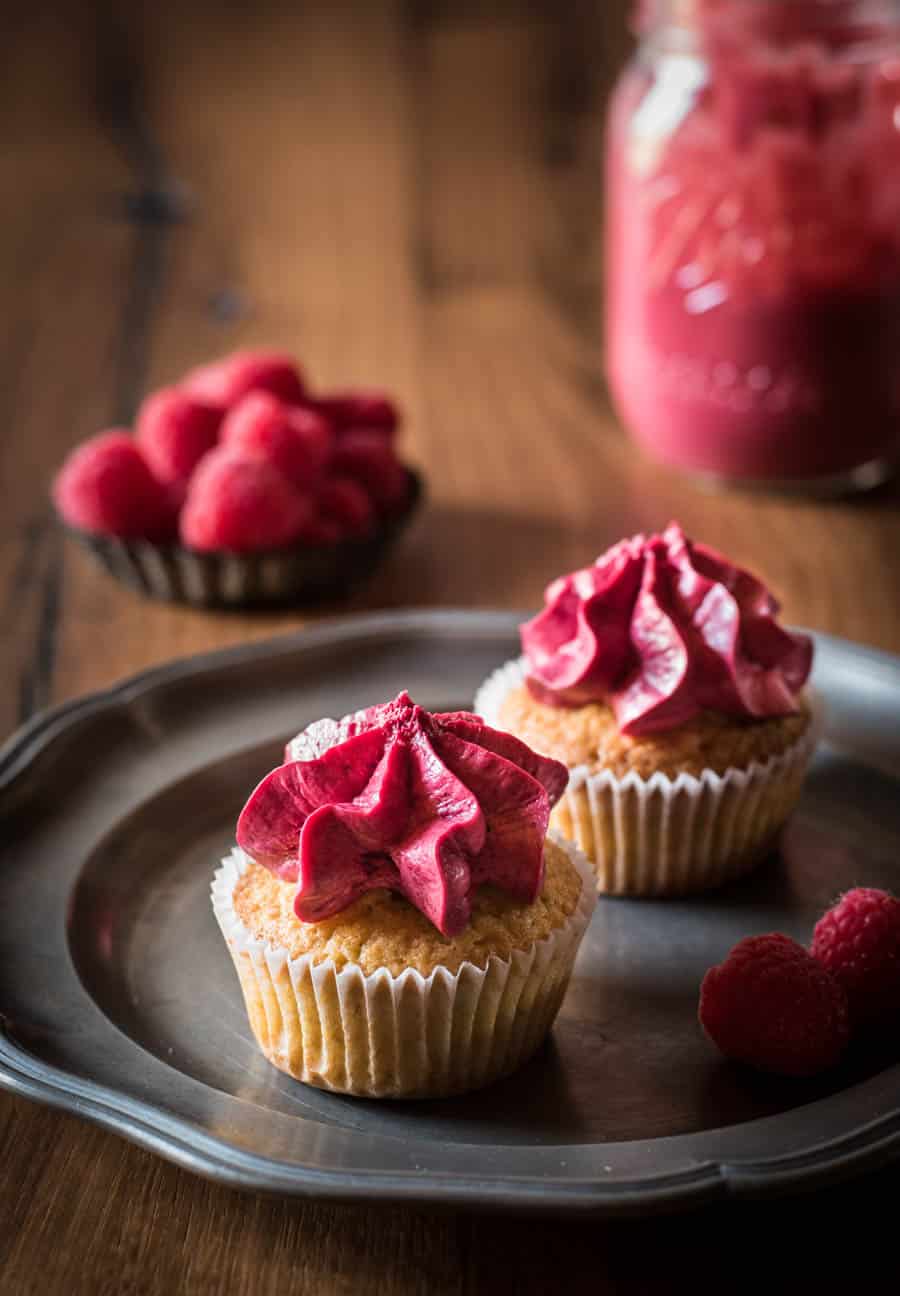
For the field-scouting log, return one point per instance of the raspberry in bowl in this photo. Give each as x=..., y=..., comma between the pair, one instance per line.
x=241, y=488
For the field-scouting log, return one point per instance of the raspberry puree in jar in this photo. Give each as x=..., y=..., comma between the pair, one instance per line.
x=753, y=239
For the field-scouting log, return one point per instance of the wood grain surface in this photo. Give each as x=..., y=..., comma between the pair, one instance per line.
x=406, y=195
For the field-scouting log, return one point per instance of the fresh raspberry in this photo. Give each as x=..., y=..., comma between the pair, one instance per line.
x=176, y=494
x=321, y=530
x=175, y=431
x=295, y=441
x=369, y=410
x=226, y=381
x=241, y=503
x=106, y=486
x=773, y=1006
x=370, y=460
x=858, y=941
x=344, y=502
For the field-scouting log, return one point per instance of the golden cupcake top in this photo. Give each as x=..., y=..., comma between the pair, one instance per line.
x=381, y=929
x=589, y=736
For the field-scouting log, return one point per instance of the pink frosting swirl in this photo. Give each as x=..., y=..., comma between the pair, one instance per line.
x=661, y=628
x=432, y=806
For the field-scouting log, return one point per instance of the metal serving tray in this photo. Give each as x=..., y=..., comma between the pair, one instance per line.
x=118, y=1000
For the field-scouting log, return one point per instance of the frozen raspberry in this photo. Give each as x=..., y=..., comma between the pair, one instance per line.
x=370, y=460
x=370, y=410
x=241, y=503
x=344, y=502
x=773, y=1006
x=296, y=441
x=175, y=431
x=858, y=941
x=224, y=382
x=106, y=486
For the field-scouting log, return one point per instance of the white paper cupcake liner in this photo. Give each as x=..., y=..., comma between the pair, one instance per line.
x=664, y=836
x=406, y=1036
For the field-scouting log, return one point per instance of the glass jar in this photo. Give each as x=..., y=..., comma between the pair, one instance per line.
x=753, y=240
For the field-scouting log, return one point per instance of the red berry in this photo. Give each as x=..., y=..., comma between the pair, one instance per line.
x=370, y=460
x=175, y=431
x=176, y=494
x=296, y=441
x=321, y=530
x=106, y=486
x=344, y=502
x=224, y=382
x=241, y=503
x=368, y=410
x=858, y=941
x=773, y=1006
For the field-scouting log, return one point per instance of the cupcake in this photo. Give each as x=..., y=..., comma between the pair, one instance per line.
x=661, y=678
x=400, y=923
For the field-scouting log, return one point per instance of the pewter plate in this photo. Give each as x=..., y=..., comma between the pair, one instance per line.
x=119, y=1002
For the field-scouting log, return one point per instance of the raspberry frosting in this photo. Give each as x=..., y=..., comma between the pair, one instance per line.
x=429, y=805
x=661, y=629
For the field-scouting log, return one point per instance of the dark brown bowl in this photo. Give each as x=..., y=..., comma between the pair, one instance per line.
x=274, y=578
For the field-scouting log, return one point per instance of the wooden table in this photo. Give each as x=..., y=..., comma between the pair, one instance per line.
x=406, y=195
